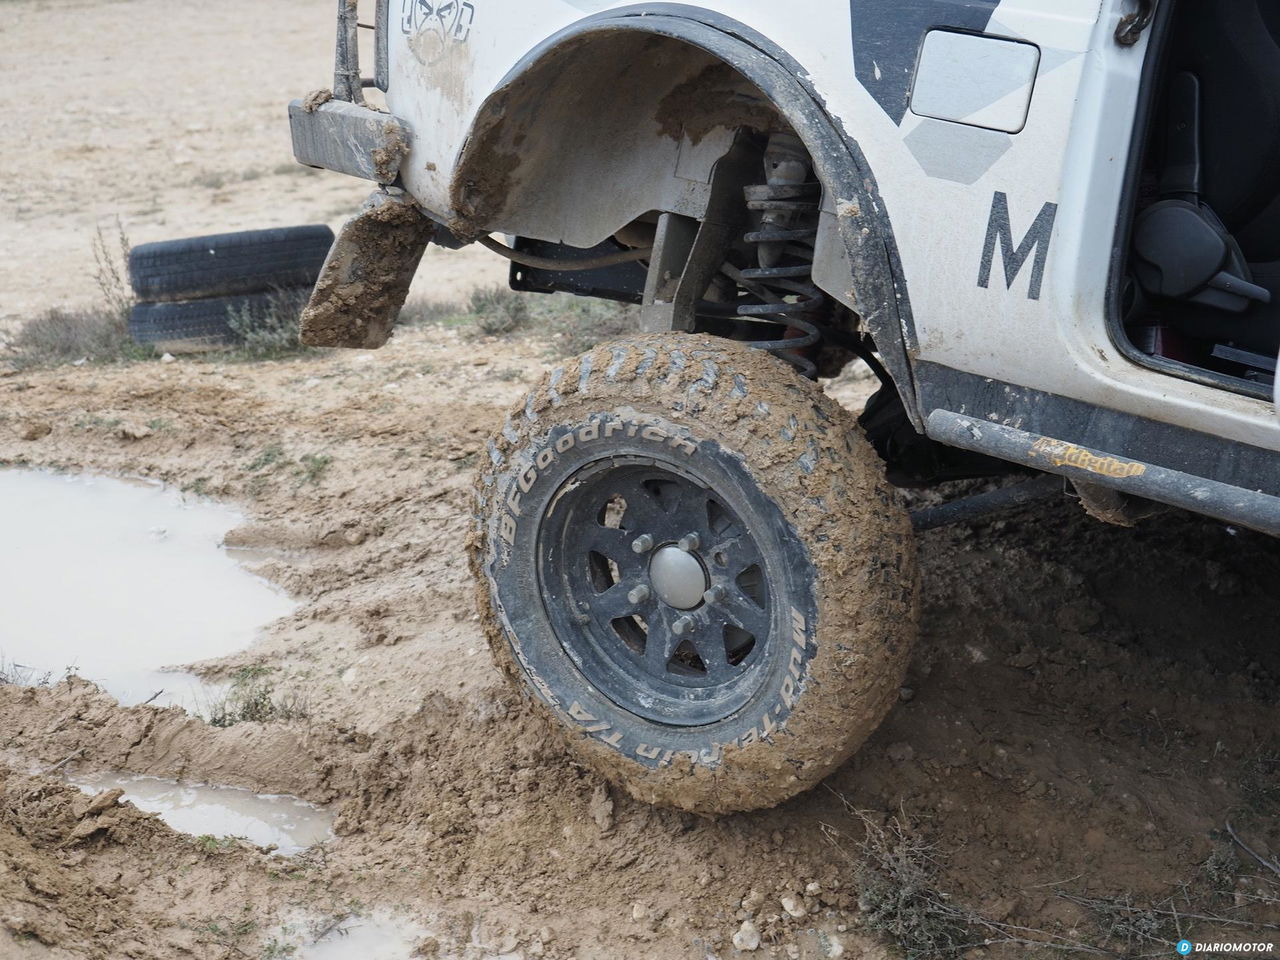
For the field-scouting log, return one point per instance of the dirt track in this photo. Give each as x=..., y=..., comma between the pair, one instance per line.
x=1086, y=709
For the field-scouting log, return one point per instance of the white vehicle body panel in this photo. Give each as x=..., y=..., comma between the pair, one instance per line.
x=946, y=186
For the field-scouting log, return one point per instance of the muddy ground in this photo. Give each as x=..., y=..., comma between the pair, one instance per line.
x=1088, y=706
x=1087, y=709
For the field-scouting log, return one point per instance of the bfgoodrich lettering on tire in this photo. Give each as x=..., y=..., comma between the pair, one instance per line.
x=686, y=555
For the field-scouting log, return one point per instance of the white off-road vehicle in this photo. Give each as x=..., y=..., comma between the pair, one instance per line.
x=1050, y=227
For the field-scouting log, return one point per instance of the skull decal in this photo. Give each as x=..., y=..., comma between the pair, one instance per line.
x=449, y=20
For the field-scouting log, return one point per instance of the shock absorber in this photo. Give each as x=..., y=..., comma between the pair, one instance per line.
x=782, y=285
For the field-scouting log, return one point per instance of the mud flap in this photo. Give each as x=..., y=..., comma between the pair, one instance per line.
x=366, y=276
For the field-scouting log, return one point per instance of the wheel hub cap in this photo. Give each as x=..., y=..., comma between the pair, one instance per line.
x=656, y=590
x=678, y=578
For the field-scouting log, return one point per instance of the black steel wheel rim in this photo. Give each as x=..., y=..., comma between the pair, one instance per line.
x=657, y=590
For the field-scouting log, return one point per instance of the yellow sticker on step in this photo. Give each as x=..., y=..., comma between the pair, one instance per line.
x=1066, y=455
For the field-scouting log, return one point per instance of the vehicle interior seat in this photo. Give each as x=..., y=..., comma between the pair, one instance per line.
x=1208, y=251
x=1260, y=237
x=1233, y=47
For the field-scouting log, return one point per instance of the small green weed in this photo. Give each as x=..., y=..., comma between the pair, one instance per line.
x=252, y=698
x=498, y=311
x=429, y=313
x=210, y=180
x=493, y=311
x=208, y=843
x=287, y=169
x=226, y=931
x=271, y=457
x=312, y=467
x=111, y=272
x=1221, y=868
x=95, y=422
x=60, y=336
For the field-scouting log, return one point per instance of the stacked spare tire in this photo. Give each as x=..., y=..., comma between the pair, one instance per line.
x=200, y=293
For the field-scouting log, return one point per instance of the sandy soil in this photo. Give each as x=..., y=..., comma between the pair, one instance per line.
x=170, y=117
x=1087, y=708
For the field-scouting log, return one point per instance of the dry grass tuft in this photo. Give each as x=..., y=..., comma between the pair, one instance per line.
x=71, y=336
x=18, y=675
x=96, y=334
x=270, y=332
x=896, y=872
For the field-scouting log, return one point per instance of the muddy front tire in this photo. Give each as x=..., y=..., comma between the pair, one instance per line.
x=687, y=556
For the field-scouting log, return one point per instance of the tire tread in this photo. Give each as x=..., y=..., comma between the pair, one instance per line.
x=807, y=453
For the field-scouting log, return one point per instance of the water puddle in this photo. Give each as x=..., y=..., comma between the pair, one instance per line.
x=291, y=824
x=117, y=579
x=379, y=937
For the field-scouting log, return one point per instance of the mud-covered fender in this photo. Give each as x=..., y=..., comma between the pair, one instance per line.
x=864, y=222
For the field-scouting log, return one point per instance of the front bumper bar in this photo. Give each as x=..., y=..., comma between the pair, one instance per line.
x=348, y=138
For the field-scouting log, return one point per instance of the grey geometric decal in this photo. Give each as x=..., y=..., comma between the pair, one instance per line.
x=952, y=151
x=887, y=36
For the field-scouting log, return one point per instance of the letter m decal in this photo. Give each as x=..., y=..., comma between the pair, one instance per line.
x=999, y=230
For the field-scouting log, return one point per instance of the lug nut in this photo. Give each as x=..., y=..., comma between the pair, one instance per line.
x=689, y=543
x=642, y=543
x=714, y=594
x=682, y=626
x=639, y=594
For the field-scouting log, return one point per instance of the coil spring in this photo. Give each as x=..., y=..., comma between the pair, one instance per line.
x=786, y=293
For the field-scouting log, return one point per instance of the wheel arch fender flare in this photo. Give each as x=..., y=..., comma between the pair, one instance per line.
x=839, y=161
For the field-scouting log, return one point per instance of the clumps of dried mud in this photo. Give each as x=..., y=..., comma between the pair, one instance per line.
x=1087, y=708
x=94, y=877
